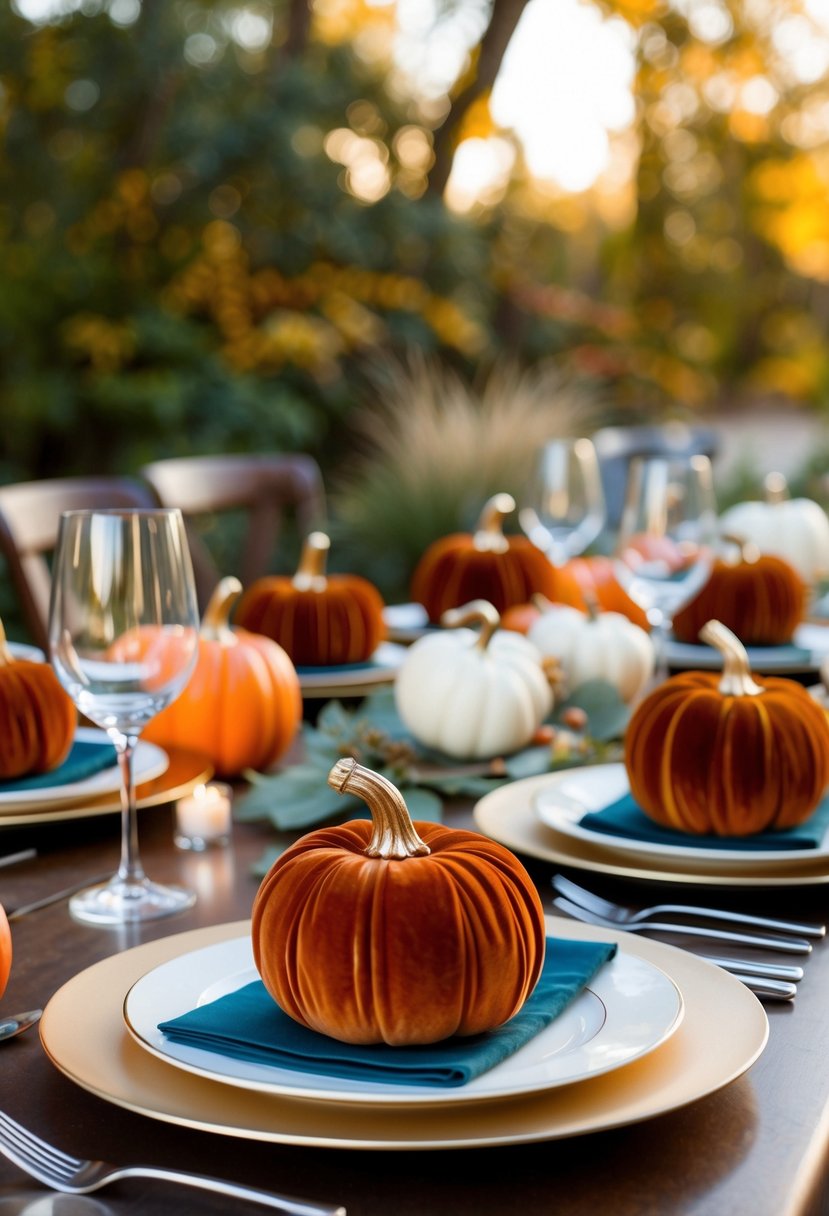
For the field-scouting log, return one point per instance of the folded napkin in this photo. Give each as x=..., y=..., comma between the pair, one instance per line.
x=625, y=818
x=84, y=760
x=249, y=1025
x=687, y=655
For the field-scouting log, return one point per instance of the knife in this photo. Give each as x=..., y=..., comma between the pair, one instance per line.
x=55, y=897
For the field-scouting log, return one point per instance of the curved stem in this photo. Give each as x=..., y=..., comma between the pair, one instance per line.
x=736, y=679
x=215, y=626
x=393, y=835
x=476, y=612
x=489, y=535
x=310, y=573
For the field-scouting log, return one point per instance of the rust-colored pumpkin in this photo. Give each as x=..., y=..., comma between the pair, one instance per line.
x=37, y=717
x=5, y=950
x=242, y=705
x=759, y=597
x=397, y=932
x=484, y=565
x=319, y=620
x=724, y=753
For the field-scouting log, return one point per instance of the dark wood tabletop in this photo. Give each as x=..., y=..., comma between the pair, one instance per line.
x=758, y=1146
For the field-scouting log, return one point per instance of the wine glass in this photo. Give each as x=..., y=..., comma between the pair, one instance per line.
x=666, y=538
x=123, y=636
x=564, y=506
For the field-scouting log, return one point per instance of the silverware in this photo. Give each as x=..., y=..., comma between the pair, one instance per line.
x=56, y=896
x=785, y=945
x=774, y=990
x=11, y=859
x=760, y=970
x=625, y=916
x=76, y=1176
x=17, y=1023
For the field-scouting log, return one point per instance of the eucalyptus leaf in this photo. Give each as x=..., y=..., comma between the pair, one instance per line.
x=423, y=804
x=334, y=719
x=607, y=714
x=295, y=798
x=530, y=762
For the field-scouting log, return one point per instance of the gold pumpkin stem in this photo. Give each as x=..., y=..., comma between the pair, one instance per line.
x=736, y=679
x=6, y=655
x=310, y=573
x=476, y=612
x=215, y=626
x=776, y=487
x=489, y=535
x=394, y=836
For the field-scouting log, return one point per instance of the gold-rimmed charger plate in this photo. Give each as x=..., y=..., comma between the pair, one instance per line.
x=185, y=771
x=724, y=1031
x=508, y=815
x=353, y=680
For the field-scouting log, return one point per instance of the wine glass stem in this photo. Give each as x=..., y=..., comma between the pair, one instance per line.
x=130, y=870
x=659, y=637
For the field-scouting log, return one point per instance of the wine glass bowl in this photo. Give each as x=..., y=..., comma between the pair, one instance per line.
x=563, y=510
x=123, y=639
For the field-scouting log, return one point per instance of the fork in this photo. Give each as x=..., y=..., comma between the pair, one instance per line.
x=76, y=1176
x=785, y=945
x=626, y=916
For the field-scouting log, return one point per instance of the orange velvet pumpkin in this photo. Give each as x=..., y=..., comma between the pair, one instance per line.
x=5, y=950
x=242, y=705
x=486, y=565
x=37, y=717
x=759, y=597
x=723, y=753
x=397, y=932
x=319, y=620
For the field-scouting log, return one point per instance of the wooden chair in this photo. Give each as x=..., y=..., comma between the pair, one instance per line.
x=29, y=517
x=263, y=487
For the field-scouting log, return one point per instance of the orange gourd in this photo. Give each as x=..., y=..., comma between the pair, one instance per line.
x=725, y=753
x=319, y=620
x=484, y=565
x=396, y=932
x=759, y=597
x=242, y=705
x=37, y=717
x=596, y=580
x=5, y=950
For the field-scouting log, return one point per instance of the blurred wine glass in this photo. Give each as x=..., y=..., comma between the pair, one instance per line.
x=563, y=509
x=123, y=633
x=666, y=538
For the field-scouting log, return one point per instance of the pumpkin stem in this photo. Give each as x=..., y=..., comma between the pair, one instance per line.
x=541, y=602
x=776, y=487
x=6, y=655
x=736, y=679
x=215, y=626
x=476, y=612
x=749, y=551
x=310, y=573
x=394, y=836
x=489, y=535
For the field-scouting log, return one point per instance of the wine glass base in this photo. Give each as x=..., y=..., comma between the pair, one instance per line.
x=125, y=903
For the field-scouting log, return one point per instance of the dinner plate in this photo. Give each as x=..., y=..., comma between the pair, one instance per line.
x=766, y=660
x=629, y=1008
x=353, y=679
x=185, y=771
x=508, y=814
x=406, y=622
x=149, y=762
x=21, y=650
x=573, y=793
x=723, y=1032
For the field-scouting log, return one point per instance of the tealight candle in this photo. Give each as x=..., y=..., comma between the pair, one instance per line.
x=203, y=818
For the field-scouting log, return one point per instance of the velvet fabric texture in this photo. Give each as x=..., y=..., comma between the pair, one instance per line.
x=247, y=1025
x=761, y=601
x=453, y=572
x=407, y=951
x=37, y=718
x=339, y=623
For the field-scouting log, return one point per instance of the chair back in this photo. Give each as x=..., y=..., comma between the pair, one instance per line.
x=264, y=487
x=29, y=518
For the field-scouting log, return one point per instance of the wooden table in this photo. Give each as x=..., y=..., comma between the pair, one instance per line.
x=759, y=1146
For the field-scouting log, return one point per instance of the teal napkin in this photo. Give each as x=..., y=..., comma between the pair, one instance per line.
x=249, y=1025
x=688, y=654
x=84, y=760
x=625, y=818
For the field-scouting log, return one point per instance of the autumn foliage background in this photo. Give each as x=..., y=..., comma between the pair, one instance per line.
x=216, y=215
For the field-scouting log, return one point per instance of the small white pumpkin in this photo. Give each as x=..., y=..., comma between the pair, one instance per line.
x=796, y=529
x=473, y=695
x=596, y=646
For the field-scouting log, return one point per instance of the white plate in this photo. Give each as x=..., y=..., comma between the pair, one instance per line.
x=353, y=678
x=574, y=792
x=629, y=1008
x=406, y=622
x=149, y=762
x=766, y=660
x=21, y=651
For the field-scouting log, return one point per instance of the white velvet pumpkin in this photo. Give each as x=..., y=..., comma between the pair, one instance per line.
x=473, y=695
x=796, y=529
x=604, y=646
